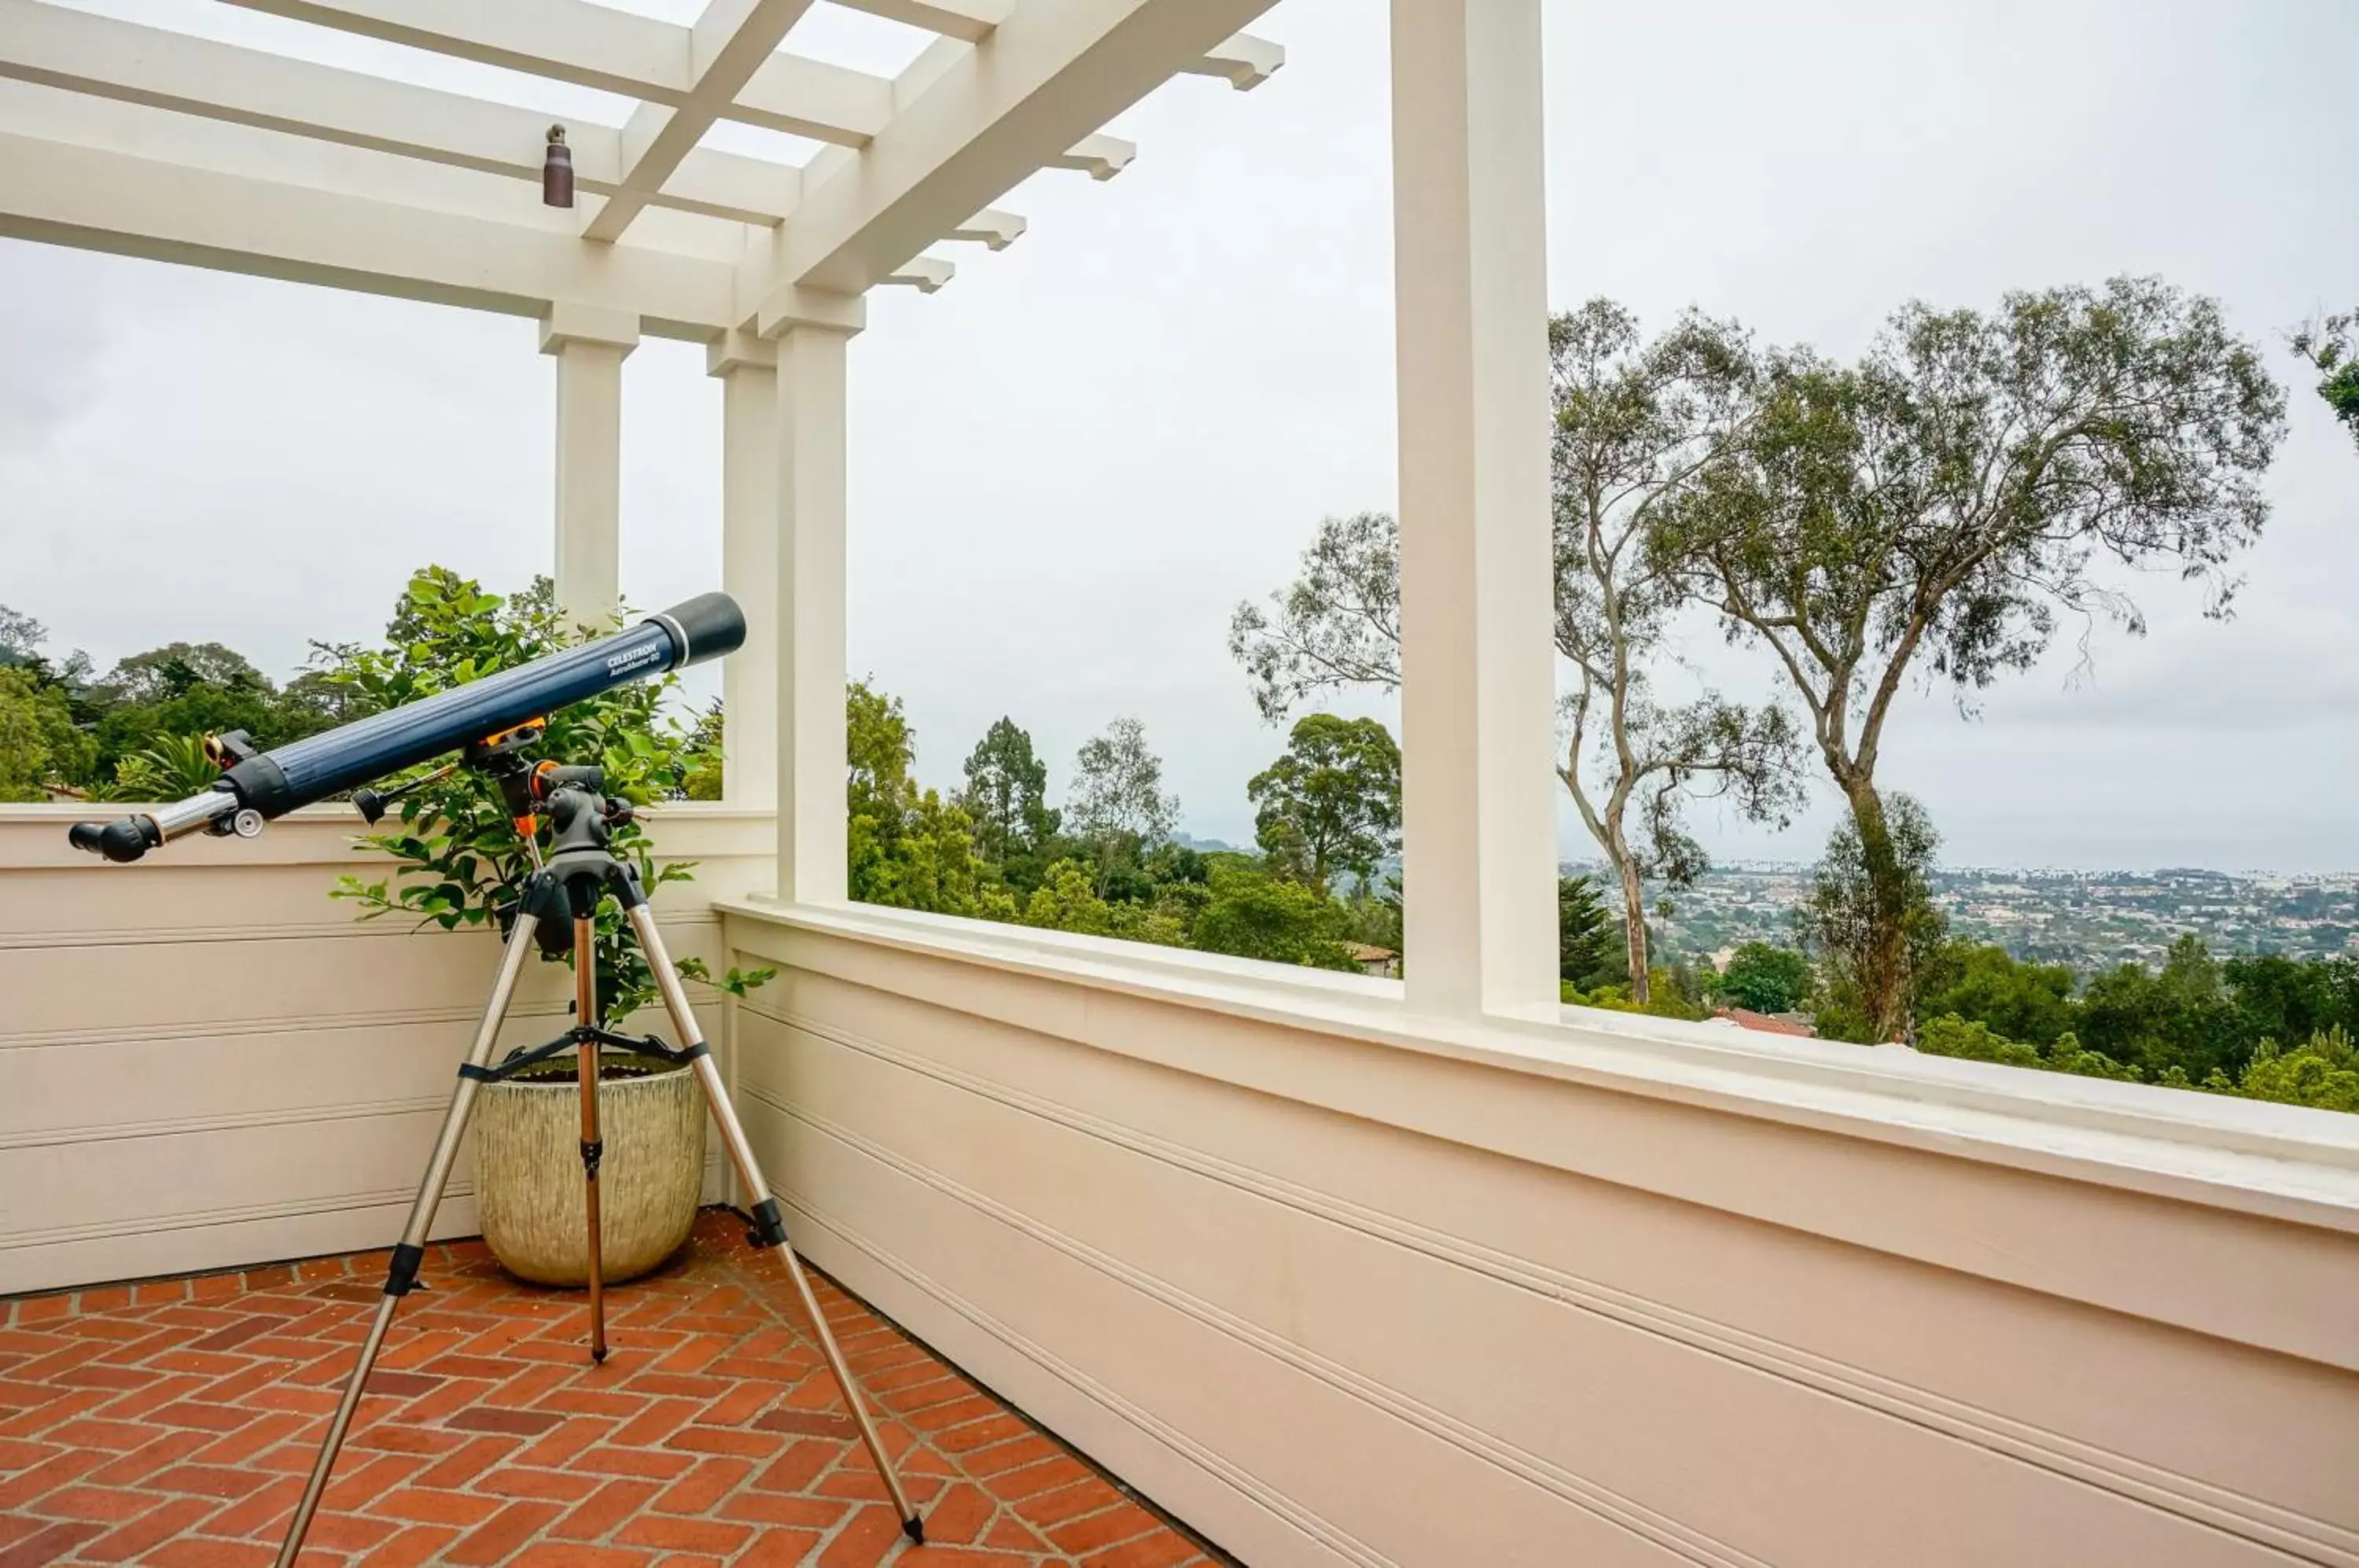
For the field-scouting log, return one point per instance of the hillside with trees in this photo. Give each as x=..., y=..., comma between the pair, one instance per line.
x=1930, y=515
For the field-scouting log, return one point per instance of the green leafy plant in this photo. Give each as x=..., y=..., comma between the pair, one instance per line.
x=173, y=768
x=459, y=861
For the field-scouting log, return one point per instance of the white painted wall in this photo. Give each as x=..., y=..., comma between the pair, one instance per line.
x=1340, y=1286
x=205, y=1062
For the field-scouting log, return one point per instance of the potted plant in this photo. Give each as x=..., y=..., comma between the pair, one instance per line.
x=459, y=862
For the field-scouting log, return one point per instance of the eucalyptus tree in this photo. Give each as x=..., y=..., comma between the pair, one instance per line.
x=1118, y=806
x=2331, y=347
x=1934, y=509
x=1636, y=426
x=1333, y=629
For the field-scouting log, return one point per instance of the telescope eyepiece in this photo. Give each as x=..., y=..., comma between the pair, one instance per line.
x=122, y=841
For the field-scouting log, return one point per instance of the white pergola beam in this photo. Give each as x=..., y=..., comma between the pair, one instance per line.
x=614, y=51
x=107, y=200
x=566, y=40
x=971, y=20
x=729, y=43
x=123, y=61
x=1043, y=84
x=1244, y=61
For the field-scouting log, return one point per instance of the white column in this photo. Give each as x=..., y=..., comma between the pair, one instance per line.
x=1477, y=667
x=748, y=367
x=590, y=344
x=810, y=576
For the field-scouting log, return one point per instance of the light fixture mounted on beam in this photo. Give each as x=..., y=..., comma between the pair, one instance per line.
x=557, y=170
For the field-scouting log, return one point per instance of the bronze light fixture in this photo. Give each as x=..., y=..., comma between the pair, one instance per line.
x=557, y=170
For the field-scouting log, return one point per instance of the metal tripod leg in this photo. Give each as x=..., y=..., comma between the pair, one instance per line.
x=771, y=1229
x=585, y=1013
x=403, y=1274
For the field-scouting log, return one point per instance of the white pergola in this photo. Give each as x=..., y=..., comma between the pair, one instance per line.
x=150, y=142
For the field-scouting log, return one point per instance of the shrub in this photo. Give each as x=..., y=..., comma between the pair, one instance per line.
x=458, y=860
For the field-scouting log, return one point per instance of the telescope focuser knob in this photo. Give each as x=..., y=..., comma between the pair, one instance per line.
x=226, y=751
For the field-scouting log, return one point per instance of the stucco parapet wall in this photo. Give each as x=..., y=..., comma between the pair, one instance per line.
x=2230, y=1216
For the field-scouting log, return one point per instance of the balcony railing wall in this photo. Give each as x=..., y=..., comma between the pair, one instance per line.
x=206, y=1061
x=1338, y=1287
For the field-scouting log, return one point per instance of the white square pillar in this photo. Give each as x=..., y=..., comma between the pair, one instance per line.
x=811, y=513
x=748, y=367
x=1477, y=562
x=590, y=345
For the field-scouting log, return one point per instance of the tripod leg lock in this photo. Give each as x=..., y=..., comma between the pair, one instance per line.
x=769, y=1224
x=401, y=1277
x=591, y=1153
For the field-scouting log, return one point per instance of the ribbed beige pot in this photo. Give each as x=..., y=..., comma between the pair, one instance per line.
x=528, y=1184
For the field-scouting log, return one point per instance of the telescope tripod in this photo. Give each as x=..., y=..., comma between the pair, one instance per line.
x=560, y=908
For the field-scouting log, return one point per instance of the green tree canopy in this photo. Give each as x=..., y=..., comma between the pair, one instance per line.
x=1331, y=805
x=1985, y=984
x=1335, y=628
x=1589, y=947
x=1253, y=914
x=1936, y=506
x=906, y=847
x=1006, y=794
x=21, y=636
x=39, y=743
x=1842, y=920
x=1763, y=978
x=2331, y=347
x=2180, y=1016
x=1119, y=810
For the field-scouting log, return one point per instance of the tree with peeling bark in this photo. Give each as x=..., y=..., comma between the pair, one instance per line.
x=1935, y=507
x=1636, y=426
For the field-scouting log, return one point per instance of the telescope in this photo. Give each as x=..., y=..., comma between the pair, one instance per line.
x=489, y=722
x=257, y=785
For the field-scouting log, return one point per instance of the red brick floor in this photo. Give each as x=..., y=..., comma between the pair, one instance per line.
x=171, y=1423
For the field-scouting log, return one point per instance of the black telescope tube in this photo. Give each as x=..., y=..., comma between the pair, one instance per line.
x=277, y=781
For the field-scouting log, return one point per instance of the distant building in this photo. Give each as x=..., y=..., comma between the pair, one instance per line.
x=1765, y=1023
x=1381, y=962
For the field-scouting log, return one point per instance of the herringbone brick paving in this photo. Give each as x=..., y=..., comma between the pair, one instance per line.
x=171, y=1423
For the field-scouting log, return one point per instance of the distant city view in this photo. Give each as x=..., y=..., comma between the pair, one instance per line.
x=2090, y=919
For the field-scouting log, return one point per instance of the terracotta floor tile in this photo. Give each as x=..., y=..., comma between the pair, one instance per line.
x=171, y=1423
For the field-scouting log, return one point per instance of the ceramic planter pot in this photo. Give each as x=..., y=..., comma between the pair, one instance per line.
x=528, y=1184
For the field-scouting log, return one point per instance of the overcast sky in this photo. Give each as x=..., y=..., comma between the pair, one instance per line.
x=1070, y=465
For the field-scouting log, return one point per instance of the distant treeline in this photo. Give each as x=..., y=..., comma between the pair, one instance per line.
x=2263, y=1026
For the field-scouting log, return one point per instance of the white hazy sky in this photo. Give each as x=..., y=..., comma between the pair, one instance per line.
x=1070, y=464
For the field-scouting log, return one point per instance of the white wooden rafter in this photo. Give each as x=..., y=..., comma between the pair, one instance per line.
x=983, y=125
x=108, y=200
x=974, y=113
x=971, y=21
x=730, y=42
x=56, y=47
x=641, y=56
